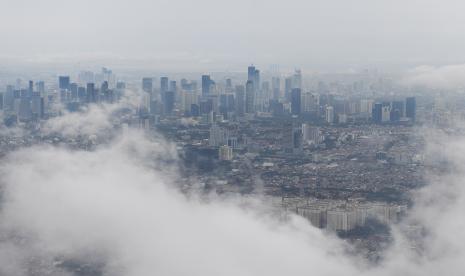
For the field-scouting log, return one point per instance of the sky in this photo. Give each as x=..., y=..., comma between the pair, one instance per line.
x=218, y=34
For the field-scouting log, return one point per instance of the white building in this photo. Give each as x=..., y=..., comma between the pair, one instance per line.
x=386, y=114
x=225, y=153
x=329, y=114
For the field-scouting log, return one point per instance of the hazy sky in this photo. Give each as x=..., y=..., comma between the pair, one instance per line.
x=214, y=33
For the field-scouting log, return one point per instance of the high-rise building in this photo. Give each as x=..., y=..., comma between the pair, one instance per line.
x=310, y=133
x=92, y=96
x=206, y=83
x=173, y=86
x=386, y=113
x=254, y=76
x=63, y=82
x=168, y=102
x=147, y=85
x=366, y=106
x=251, y=73
x=288, y=88
x=410, y=108
x=297, y=143
x=225, y=153
x=276, y=87
x=329, y=115
x=377, y=113
x=30, y=88
x=398, y=106
x=164, y=85
x=296, y=102
x=218, y=136
x=240, y=100
x=297, y=79
x=249, y=97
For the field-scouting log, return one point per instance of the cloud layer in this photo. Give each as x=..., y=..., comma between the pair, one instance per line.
x=117, y=209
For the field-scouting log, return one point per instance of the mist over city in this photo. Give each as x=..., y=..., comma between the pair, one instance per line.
x=232, y=137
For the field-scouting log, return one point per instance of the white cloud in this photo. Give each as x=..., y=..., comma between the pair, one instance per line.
x=443, y=77
x=112, y=205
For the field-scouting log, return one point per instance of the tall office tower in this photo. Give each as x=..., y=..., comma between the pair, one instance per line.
x=297, y=143
x=37, y=106
x=40, y=85
x=251, y=73
x=225, y=153
x=377, y=113
x=309, y=103
x=398, y=106
x=296, y=101
x=82, y=94
x=168, y=102
x=164, y=85
x=30, y=88
x=276, y=87
x=410, y=108
x=185, y=84
x=206, y=106
x=254, y=76
x=288, y=88
x=91, y=93
x=147, y=85
x=189, y=98
x=218, y=136
x=297, y=79
x=329, y=114
x=24, y=112
x=311, y=133
x=206, y=83
x=256, y=80
x=73, y=87
x=173, y=86
x=240, y=100
x=228, y=84
x=366, y=106
x=386, y=114
x=63, y=82
x=249, y=97
x=9, y=98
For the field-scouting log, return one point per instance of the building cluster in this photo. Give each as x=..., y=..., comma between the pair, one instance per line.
x=217, y=101
x=38, y=101
x=340, y=215
x=261, y=132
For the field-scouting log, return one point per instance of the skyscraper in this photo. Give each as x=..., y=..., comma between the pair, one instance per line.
x=240, y=100
x=254, y=76
x=164, y=84
x=287, y=88
x=410, y=108
x=296, y=101
x=63, y=82
x=249, y=97
x=297, y=79
x=251, y=73
x=399, y=106
x=168, y=102
x=276, y=87
x=329, y=115
x=206, y=82
x=377, y=113
x=91, y=93
x=147, y=85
